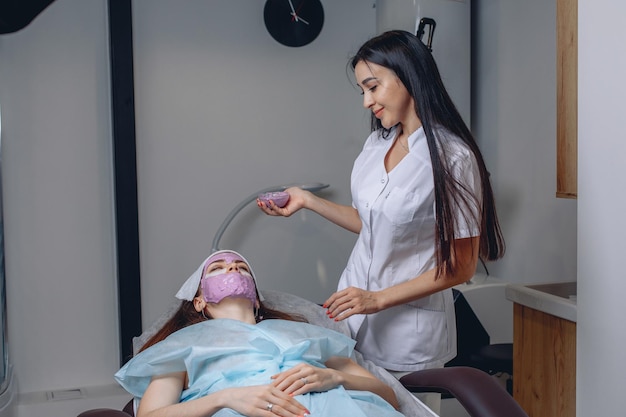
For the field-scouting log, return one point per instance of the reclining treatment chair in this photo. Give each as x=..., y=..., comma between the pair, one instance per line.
x=476, y=391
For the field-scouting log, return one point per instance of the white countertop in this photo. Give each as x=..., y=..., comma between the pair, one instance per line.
x=557, y=299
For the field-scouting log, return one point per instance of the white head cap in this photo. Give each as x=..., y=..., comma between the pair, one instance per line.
x=190, y=288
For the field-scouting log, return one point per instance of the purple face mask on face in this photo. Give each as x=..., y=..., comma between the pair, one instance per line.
x=220, y=284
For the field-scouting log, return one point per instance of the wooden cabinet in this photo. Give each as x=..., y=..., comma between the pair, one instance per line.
x=544, y=363
x=567, y=98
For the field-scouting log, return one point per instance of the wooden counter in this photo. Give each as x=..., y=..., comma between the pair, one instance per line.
x=544, y=363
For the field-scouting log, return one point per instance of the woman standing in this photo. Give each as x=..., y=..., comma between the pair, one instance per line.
x=422, y=205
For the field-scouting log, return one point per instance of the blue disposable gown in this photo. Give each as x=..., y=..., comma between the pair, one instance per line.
x=223, y=353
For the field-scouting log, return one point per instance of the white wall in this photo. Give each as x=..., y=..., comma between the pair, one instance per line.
x=514, y=120
x=451, y=40
x=223, y=110
x=58, y=218
x=601, y=332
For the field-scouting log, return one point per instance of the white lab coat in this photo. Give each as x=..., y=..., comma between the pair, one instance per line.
x=396, y=244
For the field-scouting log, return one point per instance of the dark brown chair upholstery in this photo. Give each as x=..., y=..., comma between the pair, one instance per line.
x=110, y=412
x=478, y=392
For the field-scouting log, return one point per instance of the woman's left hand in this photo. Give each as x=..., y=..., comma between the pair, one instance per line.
x=305, y=378
x=350, y=301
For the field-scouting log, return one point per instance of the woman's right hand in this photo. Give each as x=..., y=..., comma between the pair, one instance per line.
x=342, y=215
x=162, y=397
x=255, y=401
x=297, y=198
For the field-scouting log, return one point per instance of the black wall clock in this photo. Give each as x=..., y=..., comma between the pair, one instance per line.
x=294, y=22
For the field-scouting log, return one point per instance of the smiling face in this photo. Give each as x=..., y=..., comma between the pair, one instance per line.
x=385, y=95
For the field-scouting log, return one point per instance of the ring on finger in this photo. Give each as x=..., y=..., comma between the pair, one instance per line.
x=304, y=380
x=269, y=406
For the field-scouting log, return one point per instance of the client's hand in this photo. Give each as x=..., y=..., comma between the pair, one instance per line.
x=262, y=401
x=305, y=378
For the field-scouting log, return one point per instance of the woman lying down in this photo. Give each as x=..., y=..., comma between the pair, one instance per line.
x=224, y=353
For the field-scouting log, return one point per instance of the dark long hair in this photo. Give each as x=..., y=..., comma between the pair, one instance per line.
x=186, y=315
x=412, y=62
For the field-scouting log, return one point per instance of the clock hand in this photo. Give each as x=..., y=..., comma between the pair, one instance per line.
x=293, y=14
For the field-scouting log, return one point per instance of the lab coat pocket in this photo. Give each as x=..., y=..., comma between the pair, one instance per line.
x=422, y=340
x=430, y=325
x=399, y=206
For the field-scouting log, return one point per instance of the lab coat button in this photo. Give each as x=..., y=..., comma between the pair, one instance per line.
x=382, y=180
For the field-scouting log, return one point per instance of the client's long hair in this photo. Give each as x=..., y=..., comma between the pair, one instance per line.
x=186, y=315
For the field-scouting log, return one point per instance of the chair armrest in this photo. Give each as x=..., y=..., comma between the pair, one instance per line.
x=103, y=412
x=127, y=411
x=479, y=393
